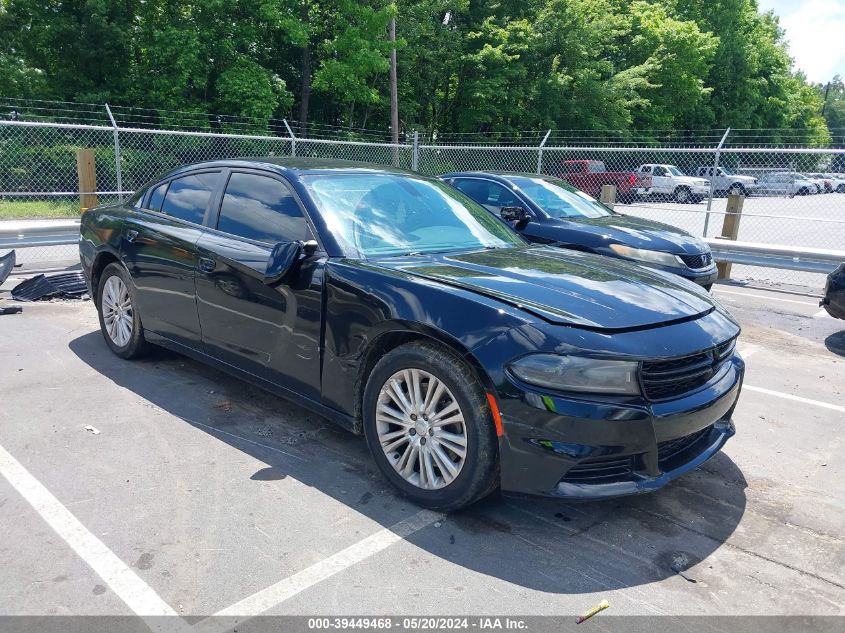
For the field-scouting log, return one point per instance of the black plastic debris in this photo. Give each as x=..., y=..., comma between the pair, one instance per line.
x=11, y=310
x=61, y=286
x=7, y=263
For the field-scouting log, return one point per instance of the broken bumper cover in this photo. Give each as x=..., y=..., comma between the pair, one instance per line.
x=593, y=450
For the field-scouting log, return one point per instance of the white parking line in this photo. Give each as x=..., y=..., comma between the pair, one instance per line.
x=766, y=297
x=821, y=314
x=789, y=396
x=273, y=595
x=125, y=583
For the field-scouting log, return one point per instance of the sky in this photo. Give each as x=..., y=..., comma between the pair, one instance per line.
x=815, y=30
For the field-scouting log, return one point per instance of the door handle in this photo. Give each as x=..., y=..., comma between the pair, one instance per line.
x=131, y=234
x=207, y=265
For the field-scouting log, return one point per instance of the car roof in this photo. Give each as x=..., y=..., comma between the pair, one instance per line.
x=502, y=175
x=297, y=166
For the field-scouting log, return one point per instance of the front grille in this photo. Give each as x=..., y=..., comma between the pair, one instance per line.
x=601, y=470
x=670, y=448
x=666, y=378
x=702, y=260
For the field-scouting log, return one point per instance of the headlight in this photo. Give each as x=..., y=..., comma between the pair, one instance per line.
x=575, y=373
x=642, y=255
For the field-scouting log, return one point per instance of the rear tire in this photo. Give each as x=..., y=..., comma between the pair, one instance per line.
x=436, y=465
x=120, y=321
x=682, y=195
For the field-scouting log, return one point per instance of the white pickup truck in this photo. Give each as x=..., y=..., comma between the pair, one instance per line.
x=726, y=182
x=668, y=180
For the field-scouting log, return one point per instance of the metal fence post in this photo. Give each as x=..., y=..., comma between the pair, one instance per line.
x=540, y=152
x=117, y=170
x=292, y=138
x=415, y=152
x=712, y=180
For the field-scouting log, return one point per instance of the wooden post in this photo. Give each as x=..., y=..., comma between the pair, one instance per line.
x=730, y=230
x=87, y=171
x=608, y=195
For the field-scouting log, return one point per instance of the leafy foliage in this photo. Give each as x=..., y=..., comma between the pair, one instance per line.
x=490, y=66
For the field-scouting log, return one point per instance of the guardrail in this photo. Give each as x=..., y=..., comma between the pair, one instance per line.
x=32, y=233
x=25, y=234
x=811, y=260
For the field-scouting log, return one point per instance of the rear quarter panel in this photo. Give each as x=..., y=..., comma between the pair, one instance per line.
x=99, y=232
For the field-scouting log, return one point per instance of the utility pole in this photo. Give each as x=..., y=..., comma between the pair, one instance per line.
x=824, y=103
x=394, y=92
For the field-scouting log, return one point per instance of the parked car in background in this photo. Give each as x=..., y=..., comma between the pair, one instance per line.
x=668, y=180
x=785, y=184
x=824, y=184
x=397, y=307
x=834, y=293
x=590, y=176
x=547, y=210
x=837, y=182
x=726, y=182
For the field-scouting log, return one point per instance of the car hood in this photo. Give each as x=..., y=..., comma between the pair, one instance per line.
x=565, y=287
x=639, y=233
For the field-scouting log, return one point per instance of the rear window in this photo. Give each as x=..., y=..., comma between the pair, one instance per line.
x=188, y=196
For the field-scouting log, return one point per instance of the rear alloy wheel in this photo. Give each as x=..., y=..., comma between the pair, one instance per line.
x=429, y=427
x=737, y=190
x=682, y=195
x=119, y=319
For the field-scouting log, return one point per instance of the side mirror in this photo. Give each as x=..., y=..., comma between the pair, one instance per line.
x=514, y=214
x=285, y=259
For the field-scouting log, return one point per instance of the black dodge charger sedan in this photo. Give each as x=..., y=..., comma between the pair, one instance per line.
x=548, y=210
x=401, y=309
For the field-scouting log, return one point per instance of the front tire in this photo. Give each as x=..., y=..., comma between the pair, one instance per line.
x=737, y=189
x=429, y=427
x=682, y=195
x=120, y=321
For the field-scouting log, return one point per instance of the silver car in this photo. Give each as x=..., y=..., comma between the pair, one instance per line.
x=785, y=184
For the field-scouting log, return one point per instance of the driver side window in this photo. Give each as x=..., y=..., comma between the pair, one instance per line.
x=660, y=171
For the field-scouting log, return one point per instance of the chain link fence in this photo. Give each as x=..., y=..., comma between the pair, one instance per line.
x=793, y=196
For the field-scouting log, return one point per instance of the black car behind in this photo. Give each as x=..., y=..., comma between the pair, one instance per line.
x=400, y=309
x=548, y=210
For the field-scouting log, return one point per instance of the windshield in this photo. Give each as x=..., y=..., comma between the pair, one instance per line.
x=558, y=200
x=675, y=171
x=374, y=214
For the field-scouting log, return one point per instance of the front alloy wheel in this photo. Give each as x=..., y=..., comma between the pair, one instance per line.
x=421, y=429
x=429, y=426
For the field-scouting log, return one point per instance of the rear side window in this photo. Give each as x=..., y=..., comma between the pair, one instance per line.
x=188, y=196
x=262, y=209
x=488, y=193
x=475, y=189
x=157, y=197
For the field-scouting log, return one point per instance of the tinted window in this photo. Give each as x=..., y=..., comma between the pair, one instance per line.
x=157, y=196
x=660, y=171
x=263, y=209
x=488, y=193
x=188, y=196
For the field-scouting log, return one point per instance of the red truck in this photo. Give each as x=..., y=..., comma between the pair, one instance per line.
x=590, y=175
